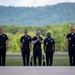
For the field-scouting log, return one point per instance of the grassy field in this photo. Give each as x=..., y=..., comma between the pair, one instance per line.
x=16, y=60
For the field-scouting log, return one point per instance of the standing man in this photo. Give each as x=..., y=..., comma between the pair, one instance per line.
x=37, y=50
x=49, y=49
x=3, y=47
x=70, y=44
x=25, y=45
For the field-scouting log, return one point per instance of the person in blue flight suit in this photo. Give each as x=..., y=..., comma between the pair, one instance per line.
x=3, y=47
x=49, y=49
x=70, y=44
x=37, y=50
x=25, y=45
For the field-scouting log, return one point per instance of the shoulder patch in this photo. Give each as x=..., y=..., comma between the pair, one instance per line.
x=51, y=40
x=28, y=37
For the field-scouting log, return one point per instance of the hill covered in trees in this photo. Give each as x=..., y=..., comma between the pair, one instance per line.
x=31, y=16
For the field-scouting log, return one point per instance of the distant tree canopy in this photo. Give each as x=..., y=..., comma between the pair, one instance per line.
x=58, y=32
x=31, y=16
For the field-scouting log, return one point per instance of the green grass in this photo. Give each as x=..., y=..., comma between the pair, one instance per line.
x=58, y=60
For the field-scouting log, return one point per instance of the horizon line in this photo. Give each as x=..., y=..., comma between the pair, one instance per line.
x=37, y=6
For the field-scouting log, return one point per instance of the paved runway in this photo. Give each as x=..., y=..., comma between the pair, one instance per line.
x=54, y=70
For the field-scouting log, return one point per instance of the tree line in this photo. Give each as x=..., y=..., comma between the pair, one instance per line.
x=58, y=32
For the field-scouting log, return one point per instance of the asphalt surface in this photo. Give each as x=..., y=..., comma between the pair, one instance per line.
x=43, y=70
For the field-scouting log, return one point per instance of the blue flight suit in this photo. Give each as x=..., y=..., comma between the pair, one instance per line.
x=49, y=43
x=3, y=39
x=25, y=49
x=71, y=48
x=37, y=50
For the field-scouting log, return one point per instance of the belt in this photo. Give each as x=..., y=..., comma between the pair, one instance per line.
x=36, y=47
x=1, y=46
x=73, y=45
x=49, y=48
x=25, y=47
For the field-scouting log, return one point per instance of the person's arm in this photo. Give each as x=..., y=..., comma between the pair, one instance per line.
x=21, y=45
x=7, y=44
x=67, y=43
x=54, y=48
x=33, y=42
x=41, y=41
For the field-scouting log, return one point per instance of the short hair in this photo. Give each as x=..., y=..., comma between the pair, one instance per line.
x=25, y=29
x=49, y=34
x=71, y=27
x=38, y=31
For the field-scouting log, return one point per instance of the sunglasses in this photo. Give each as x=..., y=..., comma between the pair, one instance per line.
x=71, y=29
x=38, y=33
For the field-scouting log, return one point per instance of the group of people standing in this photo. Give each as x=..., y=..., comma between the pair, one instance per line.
x=26, y=43
x=26, y=46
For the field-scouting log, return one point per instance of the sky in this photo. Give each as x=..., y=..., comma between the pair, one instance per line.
x=30, y=3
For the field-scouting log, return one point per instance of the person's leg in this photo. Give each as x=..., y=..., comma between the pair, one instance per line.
x=43, y=60
x=70, y=57
x=51, y=58
x=73, y=57
x=34, y=56
x=40, y=57
x=0, y=57
x=47, y=59
x=28, y=57
x=23, y=58
x=3, y=57
x=0, y=60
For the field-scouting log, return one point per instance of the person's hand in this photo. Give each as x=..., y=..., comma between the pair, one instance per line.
x=21, y=51
x=37, y=40
x=67, y=48
x=7, y=48
x=53, y=51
